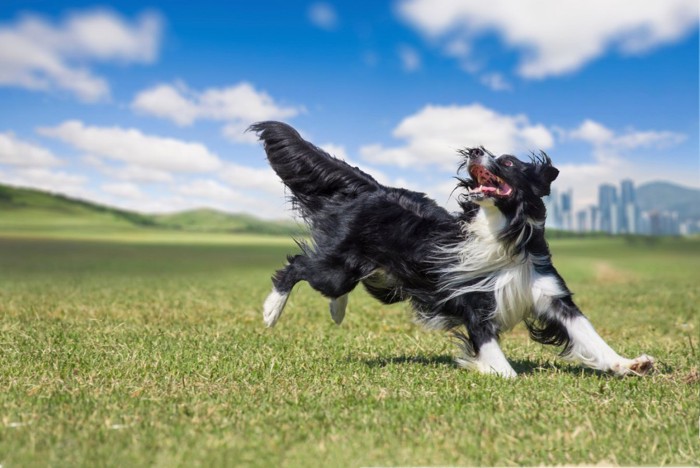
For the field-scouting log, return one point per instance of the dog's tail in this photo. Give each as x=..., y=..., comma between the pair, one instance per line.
x=315, y=178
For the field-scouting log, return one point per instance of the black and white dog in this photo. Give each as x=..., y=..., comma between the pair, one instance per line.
x=486, y=268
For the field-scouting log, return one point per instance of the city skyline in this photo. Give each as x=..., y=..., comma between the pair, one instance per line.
x=616, y=212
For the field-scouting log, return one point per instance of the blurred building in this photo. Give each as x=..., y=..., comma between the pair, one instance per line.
x=628, y=210
x=607, y=206
x=551, y=203
x=566, y=211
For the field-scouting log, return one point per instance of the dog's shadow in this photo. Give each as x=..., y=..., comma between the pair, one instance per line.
x=439, y=360
x=521, y=366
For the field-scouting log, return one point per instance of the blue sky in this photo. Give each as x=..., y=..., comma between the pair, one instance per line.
x=143, y=105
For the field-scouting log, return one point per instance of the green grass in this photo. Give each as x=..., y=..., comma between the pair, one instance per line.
x=152, y=352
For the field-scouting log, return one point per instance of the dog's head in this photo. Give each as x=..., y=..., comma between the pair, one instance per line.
x=513, y=186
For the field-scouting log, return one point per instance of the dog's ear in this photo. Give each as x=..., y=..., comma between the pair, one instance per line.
x=550, y=174
x=546, y=174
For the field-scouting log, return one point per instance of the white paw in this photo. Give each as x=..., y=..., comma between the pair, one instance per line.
x=337, y=308
x=503, y=369
x=489, y=360
x=641, y=365
x=273, y=306
x=507, y=373
x=471, y=363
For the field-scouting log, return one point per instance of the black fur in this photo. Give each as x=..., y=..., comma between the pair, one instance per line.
x=393, y=240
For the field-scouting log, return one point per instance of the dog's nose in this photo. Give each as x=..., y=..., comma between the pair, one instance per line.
x=476, y=153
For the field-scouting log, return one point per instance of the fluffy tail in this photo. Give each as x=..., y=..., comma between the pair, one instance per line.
x=314, y=177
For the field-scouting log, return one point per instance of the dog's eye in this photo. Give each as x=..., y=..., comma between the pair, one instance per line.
x=507, y=163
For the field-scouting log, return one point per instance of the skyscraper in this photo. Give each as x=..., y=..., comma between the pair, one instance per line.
x=628, y=207
x=582, y=221
x=551, y=203
x=607, y=204
x=567, y=222
x=627, y=192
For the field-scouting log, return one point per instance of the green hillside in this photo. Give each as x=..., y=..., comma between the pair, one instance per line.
x=29, y=210
x=24, y=210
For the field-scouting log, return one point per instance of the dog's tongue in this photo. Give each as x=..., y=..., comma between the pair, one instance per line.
x=486, y=188
x=504, y=189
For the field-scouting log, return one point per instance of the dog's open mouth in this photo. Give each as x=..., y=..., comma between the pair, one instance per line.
x=487, y=184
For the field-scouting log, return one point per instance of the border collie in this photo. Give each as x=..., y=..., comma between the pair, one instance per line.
x=485, y=268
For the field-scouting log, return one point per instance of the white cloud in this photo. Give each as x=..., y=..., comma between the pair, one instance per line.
x=496, y=82
x=239, y=105
x=39, y=55
x=612, y=160
x=122, y=190
x=592, y=132
x=410, y=59
x=335, y=150
x=16, y=152
x=133, y=147
x=128, y=172
x=208, y=188
x=339, y=152
x=167, y=101
x=46, y=179
x=140, y=174
x=647, y=139
x=434, y=133
x=554, y=37
x=604, y=139
x=246, y=177
x=458, y=47
x=237, y=131
x=212, y=193
x=323, y=15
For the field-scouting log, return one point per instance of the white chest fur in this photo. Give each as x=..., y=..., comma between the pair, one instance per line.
x=513, y=293
x=483, y=256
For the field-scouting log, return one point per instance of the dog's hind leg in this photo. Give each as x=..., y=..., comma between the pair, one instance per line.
x=331, y=280
x=334, y=283
x=282, y=283
x=337, y=308
x=273, y=306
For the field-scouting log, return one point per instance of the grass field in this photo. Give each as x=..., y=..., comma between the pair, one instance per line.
x=152, y=352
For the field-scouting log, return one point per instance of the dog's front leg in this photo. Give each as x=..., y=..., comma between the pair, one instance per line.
x=481, y=351
x=587, y=347
x=560, y=322
x=489, y=359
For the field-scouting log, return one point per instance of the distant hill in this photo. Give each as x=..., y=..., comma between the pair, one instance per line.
x=31, y=210
x=665, y=196
x=22, y=208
